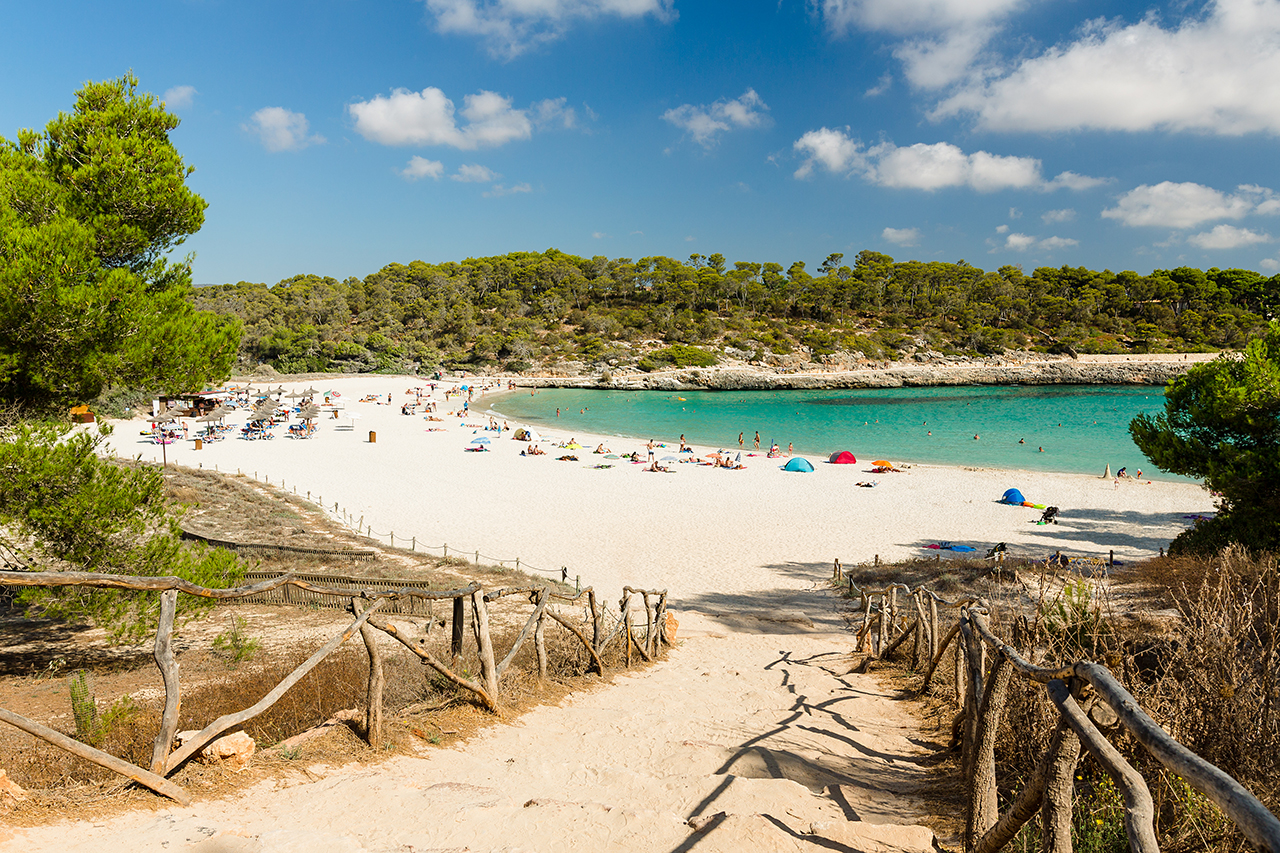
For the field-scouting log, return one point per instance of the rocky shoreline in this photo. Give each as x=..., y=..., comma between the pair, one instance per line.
x=891, y=375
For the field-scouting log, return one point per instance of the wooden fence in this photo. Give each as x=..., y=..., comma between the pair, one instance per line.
x=1086, y=696
x=365, y=600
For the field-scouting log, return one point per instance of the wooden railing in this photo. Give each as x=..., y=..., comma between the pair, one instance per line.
x=365, y=604
x=1087, y=698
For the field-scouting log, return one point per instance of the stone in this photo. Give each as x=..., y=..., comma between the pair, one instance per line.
x=234, y=749
x=11, y=792
x=672, y=624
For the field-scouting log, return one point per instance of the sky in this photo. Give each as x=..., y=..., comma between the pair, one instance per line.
x=337, y=136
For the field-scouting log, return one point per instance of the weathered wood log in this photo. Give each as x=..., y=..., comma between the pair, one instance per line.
x=933, y=627
x=151, y=780
x=534, y=619
x=596, y=627
x=1028, y=801
x=226, y=721
x=419, y=648
x=902, y=638
x=661, y=621
x=160, y=584
x=1258, y=824
x=459, y=628
x=625, y=607
x=984, y=805
x=1139, y=810
x=921, y=653
x=937, y=658
x=1056, y=814
x=595, y=657
x=484, y=641
x=374, y=687
x=540, y=645
x=650, y=643
x=168, y=666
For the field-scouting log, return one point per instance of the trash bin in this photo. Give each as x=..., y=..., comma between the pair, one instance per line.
x=199, y=444
x=373, y=437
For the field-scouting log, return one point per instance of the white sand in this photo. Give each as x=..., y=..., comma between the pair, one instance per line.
x=752, y=735
x=699, y=531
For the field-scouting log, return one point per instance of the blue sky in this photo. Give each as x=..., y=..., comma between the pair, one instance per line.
x=336, y=136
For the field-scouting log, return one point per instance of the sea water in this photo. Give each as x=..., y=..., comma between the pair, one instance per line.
x=1068, y=428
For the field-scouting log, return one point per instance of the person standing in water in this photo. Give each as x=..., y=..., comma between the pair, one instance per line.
x=740, y=441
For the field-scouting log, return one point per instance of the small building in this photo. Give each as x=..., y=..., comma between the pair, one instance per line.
x=82, y=415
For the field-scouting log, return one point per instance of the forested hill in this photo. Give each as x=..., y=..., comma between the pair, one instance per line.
x=527, y=309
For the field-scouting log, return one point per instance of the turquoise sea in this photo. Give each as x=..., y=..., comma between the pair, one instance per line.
x=1080, y=428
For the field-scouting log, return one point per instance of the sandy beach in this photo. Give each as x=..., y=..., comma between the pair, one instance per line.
x=700, y=532
x=754, y=734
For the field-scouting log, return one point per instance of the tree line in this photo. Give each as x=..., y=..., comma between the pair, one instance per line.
x=525, y=309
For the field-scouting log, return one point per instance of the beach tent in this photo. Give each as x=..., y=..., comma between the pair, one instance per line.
x=1013, y=496
x=523, y=434
x=799, y=463
x=842, y=457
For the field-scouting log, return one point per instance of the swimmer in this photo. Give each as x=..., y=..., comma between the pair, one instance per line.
x=1022, y=441
x=1042, y=450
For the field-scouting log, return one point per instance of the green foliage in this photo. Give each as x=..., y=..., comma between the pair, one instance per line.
x=84, y=706
x=1073, y=624
x=84, y=512
x=681, y=355
x=234, y=645
x=88, y=211
x=1221, y=423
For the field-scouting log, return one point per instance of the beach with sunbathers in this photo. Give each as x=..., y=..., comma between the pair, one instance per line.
x=722, y=520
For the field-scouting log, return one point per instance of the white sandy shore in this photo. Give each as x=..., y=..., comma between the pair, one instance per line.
x=700, y=532
x=752, y=735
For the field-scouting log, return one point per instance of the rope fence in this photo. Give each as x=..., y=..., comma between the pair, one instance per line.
x=358, y=525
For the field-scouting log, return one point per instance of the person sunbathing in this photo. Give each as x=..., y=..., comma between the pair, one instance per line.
x=600, y=448
x=657, y=468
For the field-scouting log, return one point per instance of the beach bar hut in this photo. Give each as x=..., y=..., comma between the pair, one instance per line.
x=799, y=463
x=842, y=457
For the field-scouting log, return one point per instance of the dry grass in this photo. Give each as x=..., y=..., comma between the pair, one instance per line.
x=421, y=708
x=1207, y=674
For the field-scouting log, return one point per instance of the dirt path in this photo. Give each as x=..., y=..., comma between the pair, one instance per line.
x=752, y=735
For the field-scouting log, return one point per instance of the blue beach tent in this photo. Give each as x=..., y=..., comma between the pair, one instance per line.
x=799, y=463
x=1013, y=496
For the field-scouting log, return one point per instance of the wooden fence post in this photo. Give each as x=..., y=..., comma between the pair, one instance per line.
x=540, y=645
x=984, y=806
x=169, y=673
x=459, y=626
x=480, y=626
x=1059, y=794
x=377, y=680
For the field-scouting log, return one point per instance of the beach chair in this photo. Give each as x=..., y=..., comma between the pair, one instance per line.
x=998, y=548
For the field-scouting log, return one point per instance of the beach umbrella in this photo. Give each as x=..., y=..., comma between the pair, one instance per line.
x=481, y=440
x=669, y=459
x=294, y=395
x=883, y=463
x=354, y=415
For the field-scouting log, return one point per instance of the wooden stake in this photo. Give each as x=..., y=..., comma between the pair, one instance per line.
x=169, y=673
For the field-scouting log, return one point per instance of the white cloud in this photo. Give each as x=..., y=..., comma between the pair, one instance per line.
x=598, y=235
x=475, y=174
x=498, y=190
x=511, y=27
x=1186, y=205
x=427, y=118
x=1227, y=237
x=1002, y=229
x=926, y=167
x=944, y=37
x=1052, y=216
x=1023, y=242
x=179, y=97
x=706, y=121
x=281, y=129
x=831, y=149
x=902, y=236
x=552, y=111
x=1269, y=265
x=1215, y=73
x=421, y=167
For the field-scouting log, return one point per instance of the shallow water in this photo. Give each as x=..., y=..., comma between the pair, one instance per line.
x=1080, y=428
